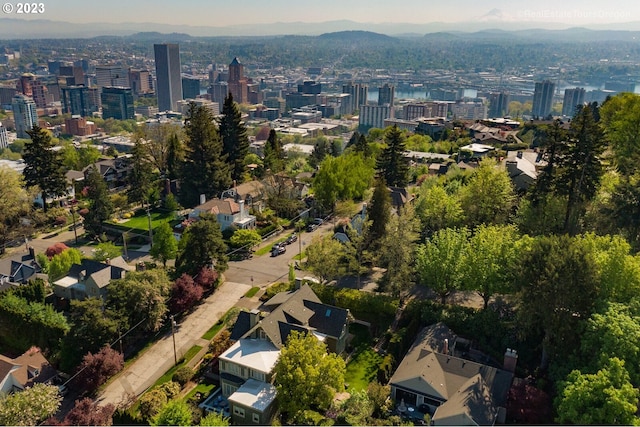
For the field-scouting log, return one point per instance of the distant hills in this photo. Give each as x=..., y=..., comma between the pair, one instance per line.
x=493, y=25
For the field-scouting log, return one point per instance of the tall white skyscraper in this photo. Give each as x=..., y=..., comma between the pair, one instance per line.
x=169, y=79
x=24, y=114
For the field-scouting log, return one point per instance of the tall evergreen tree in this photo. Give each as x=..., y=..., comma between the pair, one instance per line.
x=201, y=245
x=379, y=214
x=362, y=145
x=175, y=156
x=320, y=151
x=44, y=166
x=392, y=164
x=552, y=145
x=581, y=168
x=100, y=208
x=205, y=169
x=140, y=179
x=273, y=153
x=235, y=142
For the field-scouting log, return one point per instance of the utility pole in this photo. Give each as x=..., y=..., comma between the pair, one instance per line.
x=150, y=229
x=124, y=242
x=75, y=231
x=173, y=335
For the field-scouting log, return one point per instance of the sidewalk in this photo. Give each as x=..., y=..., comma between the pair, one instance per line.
x=139, y=376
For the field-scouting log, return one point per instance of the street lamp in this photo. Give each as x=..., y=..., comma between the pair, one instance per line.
x=173, y=335
x=150, y=229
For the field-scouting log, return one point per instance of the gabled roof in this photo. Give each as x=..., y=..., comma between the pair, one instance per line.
x=100, y=272
x=218, y=206
x=427, y=371
x=302, y=311
x=32, y=367
x=471, y=405
x=19, y=269
x=253, y=189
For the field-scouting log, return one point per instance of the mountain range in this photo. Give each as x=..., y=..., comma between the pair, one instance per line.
x=495, y=21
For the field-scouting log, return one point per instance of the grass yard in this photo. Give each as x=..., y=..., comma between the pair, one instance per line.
x=363, y=368
x=141, y=221
x=213, y=330
x=202, y=388
x=183, y=362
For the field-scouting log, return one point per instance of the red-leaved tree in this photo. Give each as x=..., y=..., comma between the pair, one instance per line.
x=55, y=249
x=527, y=404
x=97, y=368
x=206, y=278
x=87, y=412
x=185, y=293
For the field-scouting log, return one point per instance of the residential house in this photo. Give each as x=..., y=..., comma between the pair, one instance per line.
x=69, y=194
x=246, y=367
x=437, y=376
x=90, y=279
x=19, y=268
x=399, y=197
x=114, y=171
x=24, y=371
x=478, y=150
x=252, y=192
x=523, y=168
x=281, y=185
x=227, y=212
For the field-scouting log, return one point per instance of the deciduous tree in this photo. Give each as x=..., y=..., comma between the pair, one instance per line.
x=324, y=258
x=306, y=377
x=100, y=206
x=606, y=397
x=342, y=178
x=438, y=209
x=165, y=245
x=245, y=237
x=184, y=294
x=61, y=263
x=87, y=412
x=97, y=368
x=174, y=413
x=29, y=407
x=439, y=262
x=16, y=203
x=106, y=251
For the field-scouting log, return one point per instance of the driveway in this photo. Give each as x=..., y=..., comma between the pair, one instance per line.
x=154, y=362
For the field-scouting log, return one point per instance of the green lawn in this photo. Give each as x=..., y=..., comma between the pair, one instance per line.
x=213, y=330
x=202, y=388
x=182, y=362
x=362, y=369
x=141, y=221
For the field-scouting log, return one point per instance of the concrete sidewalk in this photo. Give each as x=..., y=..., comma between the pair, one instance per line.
x=145, y=371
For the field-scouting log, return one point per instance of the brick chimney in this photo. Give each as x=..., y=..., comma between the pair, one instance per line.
x=510, y=360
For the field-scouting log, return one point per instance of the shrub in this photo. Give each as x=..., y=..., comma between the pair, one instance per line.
x=60, y=220
x=183, y=375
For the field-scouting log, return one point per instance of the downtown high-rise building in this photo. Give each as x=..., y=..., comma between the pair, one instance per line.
x=386, y=95
x=358, y=95
x=498, y=104
x=117, y=103
x=75, y=100
x=237, y=82
x=168, y=76
x=543, y=98
x=110, y=75
x=24, y=115
x=572, y=98
x=4, y=137
x=190, y=87
x=373, y=116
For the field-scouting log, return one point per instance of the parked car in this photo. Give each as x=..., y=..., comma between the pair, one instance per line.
x=312, y=227
x=278, y=250
x=292, y=238
x=318, y=221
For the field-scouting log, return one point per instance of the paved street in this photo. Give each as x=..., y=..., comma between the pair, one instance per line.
x=159, y=358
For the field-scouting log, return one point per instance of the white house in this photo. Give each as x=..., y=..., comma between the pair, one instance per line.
x=228, y=212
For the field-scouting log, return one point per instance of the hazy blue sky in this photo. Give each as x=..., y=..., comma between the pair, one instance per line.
x=224, y=12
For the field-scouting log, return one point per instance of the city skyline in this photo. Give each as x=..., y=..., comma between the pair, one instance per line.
x=223, y=14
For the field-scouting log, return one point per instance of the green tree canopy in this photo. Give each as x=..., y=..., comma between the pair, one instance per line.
x=29, y=407
x=15, y=201
x=392, y=165
x=44, y=166
x=140, y=297
x=201, y=245
x=325, y=256
x=100, y=206
x=205, y=169
x=165, y=245
x=235, y=142
x=106, y=251
x=274, y=155
x=378, y=214
x=489, y=261
x=245, y=237
x=174, y=413
x=60, y=264
x=140, y=180
x=343, y=178
x=437, y=209
x=606, y=397
x=306, y=377
x=439, y=262
x=620, y=116
x=488, y=197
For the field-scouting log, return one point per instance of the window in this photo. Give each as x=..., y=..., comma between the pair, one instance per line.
x=238, y=411
x=256, y=418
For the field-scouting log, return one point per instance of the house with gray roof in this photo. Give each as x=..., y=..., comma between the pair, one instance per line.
x=435, y=375
x=19, y=269
x=90, y=279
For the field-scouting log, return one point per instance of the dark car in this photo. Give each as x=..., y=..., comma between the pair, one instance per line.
x=312, y=227
x=291, y=239
x=278, y=250
x=318, y=221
